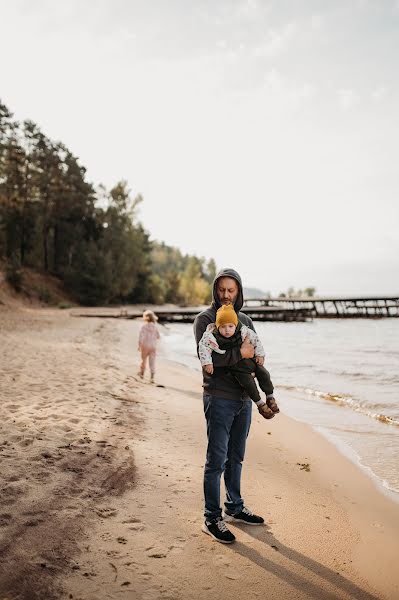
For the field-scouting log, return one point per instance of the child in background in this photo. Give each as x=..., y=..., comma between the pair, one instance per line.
x=148, y=337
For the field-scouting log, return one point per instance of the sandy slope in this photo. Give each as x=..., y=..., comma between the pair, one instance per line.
x=101, y=484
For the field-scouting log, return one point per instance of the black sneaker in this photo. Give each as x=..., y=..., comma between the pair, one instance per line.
x=245, y=516
x=218, y=530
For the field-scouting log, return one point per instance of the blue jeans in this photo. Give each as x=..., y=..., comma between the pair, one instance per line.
x=228, y=423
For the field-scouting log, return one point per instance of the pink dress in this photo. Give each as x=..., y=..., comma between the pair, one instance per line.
x=148, y=337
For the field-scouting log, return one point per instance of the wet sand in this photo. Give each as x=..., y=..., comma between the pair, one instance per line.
x=101, y=484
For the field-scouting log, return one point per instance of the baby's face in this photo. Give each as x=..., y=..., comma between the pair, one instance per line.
x=227, y=330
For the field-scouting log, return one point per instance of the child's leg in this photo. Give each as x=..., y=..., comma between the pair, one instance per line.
x=151, y=357
x=263, y=377
x=247, y=382
x=265, y=384
x=144, y=354
x=243, y=373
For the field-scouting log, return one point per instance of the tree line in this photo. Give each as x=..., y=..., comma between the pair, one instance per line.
x=54, y=220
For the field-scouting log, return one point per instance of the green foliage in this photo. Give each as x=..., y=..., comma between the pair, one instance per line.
x=308, y=292
x=45, y=295
x=90, y=277
x=52, y=219
x=64, y=305
x=193, y=288
x=183, y=279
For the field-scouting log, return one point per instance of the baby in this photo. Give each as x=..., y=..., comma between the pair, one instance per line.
x=227, y=332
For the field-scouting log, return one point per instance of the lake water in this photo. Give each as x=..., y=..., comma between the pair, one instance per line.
x=340, y=376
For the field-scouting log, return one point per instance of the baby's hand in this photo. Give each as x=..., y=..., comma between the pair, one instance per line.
x=260, y=360
x=208, y=369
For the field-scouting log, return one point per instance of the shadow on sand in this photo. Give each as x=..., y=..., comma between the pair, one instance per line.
x=316, y=581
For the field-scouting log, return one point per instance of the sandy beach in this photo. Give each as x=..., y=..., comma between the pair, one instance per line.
x=101, y=483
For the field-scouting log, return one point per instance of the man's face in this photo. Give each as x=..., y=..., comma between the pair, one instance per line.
x=227, y=290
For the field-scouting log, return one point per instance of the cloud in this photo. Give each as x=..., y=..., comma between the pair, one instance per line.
x=379, y=93
x=347, y=98
x=316, y=22
x=276, y=42
x=222, y=44
x=247, y=9
x=283, y=96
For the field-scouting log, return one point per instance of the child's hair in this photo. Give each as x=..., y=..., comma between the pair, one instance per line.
x=150, y=316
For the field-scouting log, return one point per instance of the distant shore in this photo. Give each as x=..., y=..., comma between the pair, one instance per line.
x=102, y=483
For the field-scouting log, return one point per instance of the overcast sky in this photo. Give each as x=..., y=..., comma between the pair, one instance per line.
x=264, y=134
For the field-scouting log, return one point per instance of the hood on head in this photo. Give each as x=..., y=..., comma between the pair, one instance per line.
x=234, y=275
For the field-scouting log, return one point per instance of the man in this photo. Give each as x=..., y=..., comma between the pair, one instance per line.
x=228, y=412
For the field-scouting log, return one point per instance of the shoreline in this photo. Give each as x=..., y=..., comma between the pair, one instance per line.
x=345, y=450
x=339, y=416
x=340, y=445
x=126, y=461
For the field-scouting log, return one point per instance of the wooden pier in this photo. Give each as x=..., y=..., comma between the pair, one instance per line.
x=256, y=313
x=350, y=307
x=188, y=314
x=265, y=309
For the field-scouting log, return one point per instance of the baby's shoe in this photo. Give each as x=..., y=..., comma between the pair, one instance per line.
x=265, y=411
x=272, y=404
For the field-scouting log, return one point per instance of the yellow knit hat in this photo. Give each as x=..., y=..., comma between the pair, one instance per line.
x=226, y=314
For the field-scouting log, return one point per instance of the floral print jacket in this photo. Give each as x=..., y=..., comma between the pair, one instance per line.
x=208, y=343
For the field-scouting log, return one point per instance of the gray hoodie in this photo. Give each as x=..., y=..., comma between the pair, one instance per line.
x=222, y=383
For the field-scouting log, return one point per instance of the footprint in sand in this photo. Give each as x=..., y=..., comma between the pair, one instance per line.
x=26, y=442
x=33, y=522
x=11, y=493
x=12, y=478
x=222, y=561
x=12, y=407
x=136, y=527
x=16, y=438
x=106, y=512
x=157, y=553
x=232, y=575
x=176, y=549
x=5, y=519
x=41, y=475
x=151, y=595
x=65, y=428
x=113, y=553
x=131, y=520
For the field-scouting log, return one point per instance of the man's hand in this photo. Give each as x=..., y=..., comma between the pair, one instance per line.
x=247, y=349
x=260, y=360
x=208, y=369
